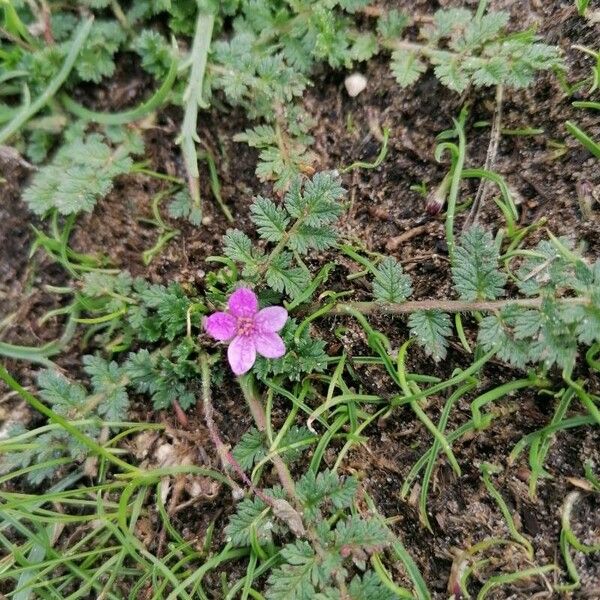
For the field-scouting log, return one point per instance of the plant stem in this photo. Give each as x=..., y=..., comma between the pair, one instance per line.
x=451, y=306
x=258, y=414
x=193, y=96
x=458, y=164
x=224, y=453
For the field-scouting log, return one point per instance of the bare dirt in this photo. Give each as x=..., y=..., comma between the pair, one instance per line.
x=386, y=216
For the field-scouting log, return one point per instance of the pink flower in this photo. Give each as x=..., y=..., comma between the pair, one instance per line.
x=248, y=329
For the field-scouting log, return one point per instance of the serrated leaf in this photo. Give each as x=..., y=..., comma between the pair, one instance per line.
x=80, y=174
x=252, y=517
x=154, y=51
x=495, y=332
x=452, y=21
x=406, y=67
x=260, y=136
x=391, y=284
x=295, y=578
x=315, y=490
x=250, y=449
x=452, y=75
x=391, y=24
x=182, y=207
x=95, y=60
x=271, y=220
x=358, y=535
x=364, y=47
x=431, y=328
x=475, y=266
x=369, y=587
x=318, y=204
x=108, y=381
x=65, y=397
x=307, y=238
x=238, y=246
x=282, y=277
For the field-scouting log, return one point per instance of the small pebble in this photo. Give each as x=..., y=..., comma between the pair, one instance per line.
x=355, y=84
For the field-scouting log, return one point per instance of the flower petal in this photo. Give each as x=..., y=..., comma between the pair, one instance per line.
x=272, y=318
x=269, y=344
x=241, y=354
x=220, y=326
x=243, y=303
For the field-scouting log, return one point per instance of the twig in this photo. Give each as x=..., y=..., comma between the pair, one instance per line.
x=490, y=159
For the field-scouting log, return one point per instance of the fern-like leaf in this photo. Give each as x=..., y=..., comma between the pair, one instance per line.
x=271, y=220
x=475, y=266
x=391, y=284
x=431, y=328
x=407, y=67
x=80, y=174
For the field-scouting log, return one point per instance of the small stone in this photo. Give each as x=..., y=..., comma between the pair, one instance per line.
x=355, y=84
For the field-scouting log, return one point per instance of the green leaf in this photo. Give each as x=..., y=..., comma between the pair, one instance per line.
x=541, y=275
x=250, y=449
x=369, y=587
x=451, y=22
x=97, y=285
x=238, y=246
x=391, y=24
x=66, y=398
x=108, y=381
x=80, y=174
x=252, y=517
x=364, y=47
x=95, y=60
x=271, y=220
x=406, y=67
x=452, y=75
x=480, y=31
x=260, y=136
x=155, y=52
x=295, y=579
x=304, y=355
x=495, y=332
x=431, y=328
x=318, y=204
x=283, y=277
x=391, y=284
x=359, y=535
x=182, y=207
x=307, y=238
x=315, y=490
x=475, y=266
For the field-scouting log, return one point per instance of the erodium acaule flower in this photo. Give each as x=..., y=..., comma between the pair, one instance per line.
x=248, y=330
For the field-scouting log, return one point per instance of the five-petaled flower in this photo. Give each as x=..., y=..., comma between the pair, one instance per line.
x=248, y=329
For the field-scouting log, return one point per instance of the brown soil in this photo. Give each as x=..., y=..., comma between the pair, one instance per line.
x=383, y=208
